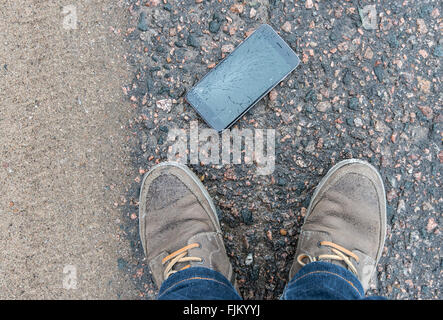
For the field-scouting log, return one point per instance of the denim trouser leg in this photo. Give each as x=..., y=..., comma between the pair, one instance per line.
x=323, y=281
x=197, y=284
x=315, y=281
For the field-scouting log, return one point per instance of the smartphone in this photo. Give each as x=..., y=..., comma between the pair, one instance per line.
x=240, y=80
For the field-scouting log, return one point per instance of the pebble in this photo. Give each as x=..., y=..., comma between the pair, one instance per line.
x=165, y=104
x=192, y=41
x=311, y=96
x=380, y=126
x=167, y=7
x=421, y=26
x=309, y=4
x=237, y=8
x=142, y=22
x=358, y=122
x=379, y=73
x=273, y=95
x=218, y=16
x=423, y=84
x=368, y=16
x=401, y=207
x=435, y=13
x=431, y=225
x=323, y=106
x=214, y=26
x=246, y=216
x=423, y=53
x=286, y=27
x=427, y=112
x=393, y=41
x=368, y=53
x=353, y=104
x=301, y=163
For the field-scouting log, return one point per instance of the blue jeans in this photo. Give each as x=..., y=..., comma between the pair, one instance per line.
x=316, y=280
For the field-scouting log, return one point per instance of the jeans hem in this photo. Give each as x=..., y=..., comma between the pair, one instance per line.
x=324, y=279
x=197, y=283
x=190, y=279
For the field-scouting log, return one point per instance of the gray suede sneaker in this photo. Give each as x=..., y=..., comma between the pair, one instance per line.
x=345, y=223
x=178, y=223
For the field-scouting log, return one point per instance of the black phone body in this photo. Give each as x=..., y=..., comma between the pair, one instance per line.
x=240, y=80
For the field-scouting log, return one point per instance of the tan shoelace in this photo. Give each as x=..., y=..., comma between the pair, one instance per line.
x=341, y=254
x=177, y=257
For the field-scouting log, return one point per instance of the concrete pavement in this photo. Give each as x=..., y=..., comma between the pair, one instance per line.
x=63, y=150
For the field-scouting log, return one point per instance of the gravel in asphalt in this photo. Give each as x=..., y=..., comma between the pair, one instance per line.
x=368, y=87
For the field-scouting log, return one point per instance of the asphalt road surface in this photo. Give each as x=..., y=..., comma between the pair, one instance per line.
x=90, y=91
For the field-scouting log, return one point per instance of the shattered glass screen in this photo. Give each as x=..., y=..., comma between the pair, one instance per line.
x=234, y=85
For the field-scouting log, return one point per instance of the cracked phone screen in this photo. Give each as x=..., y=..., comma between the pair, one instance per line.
x=242, y=78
